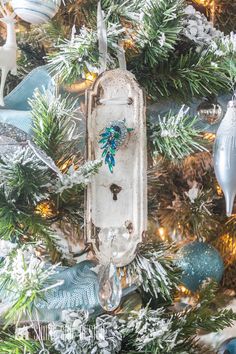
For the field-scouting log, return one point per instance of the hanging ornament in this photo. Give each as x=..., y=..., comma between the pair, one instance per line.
x=110, y=290
x=11, y=138
x=77, y=289
x=228, y=346
x=112, y=137
x=199, y=261
x=8, y=51
x=210, y=112
x=36, y=12
x=225, y=156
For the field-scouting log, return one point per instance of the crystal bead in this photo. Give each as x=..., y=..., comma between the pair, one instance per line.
x=110, y=290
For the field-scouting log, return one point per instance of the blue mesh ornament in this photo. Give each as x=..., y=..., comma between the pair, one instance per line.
x=199, y=261
x=228, y=347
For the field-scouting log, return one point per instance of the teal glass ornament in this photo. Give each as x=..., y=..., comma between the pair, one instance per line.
x=199, y=261
x=110, y=290
x=228, y=346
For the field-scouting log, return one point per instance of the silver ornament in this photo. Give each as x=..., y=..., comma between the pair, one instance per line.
x=210, y=112
x=225, y=156
x=11, y=138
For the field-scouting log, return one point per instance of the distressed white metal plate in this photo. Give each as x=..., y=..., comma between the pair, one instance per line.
x=115, y=227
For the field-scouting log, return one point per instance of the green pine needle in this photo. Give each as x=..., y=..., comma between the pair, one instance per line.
x=174, y=137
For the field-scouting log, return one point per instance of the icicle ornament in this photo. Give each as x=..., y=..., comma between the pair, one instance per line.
x=110, y=290
x=225, y=156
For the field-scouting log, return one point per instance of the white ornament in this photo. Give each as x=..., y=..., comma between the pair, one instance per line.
x=225, y=156
x=8, y=50
x=116, y=203
x=36, y=12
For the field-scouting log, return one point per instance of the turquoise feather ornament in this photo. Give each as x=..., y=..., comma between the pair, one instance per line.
x=112, y=138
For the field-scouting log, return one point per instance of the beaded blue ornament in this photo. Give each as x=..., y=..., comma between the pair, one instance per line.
x=112, y=138
x=199, y=261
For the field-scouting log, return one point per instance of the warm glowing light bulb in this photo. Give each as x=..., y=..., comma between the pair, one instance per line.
x=91, y=76
x=161, y=232
x=209, y=136
x=219, y=190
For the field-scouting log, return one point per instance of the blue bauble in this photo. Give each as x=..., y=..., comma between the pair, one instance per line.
x=228, y=347
x=199, y=261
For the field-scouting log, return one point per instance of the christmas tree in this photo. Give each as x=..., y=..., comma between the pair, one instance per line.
x=61, y=289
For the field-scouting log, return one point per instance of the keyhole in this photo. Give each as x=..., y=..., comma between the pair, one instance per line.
x=115, y=190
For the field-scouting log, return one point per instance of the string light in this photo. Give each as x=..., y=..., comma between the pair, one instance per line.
x=81, y=86
x=91, y=76
x=46, y=209
x=162, y=233
x=219, y=190
x=183, y=290
x=209, y=137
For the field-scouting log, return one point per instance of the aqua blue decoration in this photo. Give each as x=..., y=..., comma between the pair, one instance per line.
x=199, y=261
x=17, y=109
x=228, y=346
x=112, y=138
x=79, y=290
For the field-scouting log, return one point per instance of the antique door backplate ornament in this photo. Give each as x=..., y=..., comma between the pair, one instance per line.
x=116, y=198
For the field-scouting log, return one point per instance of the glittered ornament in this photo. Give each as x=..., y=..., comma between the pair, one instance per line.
x=210, y=112
x=228, y=346
x=35, y=11
x=11, y=138
x=225, y=156
x=199, y=261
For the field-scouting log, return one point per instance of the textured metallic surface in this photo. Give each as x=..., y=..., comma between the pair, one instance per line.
x=10, y=138
x=10, y=131
x=225, y=156
x=199, y=261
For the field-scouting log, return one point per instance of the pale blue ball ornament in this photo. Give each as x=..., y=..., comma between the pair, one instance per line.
x=199, y=261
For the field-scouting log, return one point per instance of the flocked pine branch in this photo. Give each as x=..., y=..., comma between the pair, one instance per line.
x=54, y=124
x=154, y=271
x=174, y=136
x=11, y=344
x=79, y=177
x=185, y=76
x=159, y=331
x=74, y=57
x=124, y=9
x=24, y=179
x=78, y=56
x=23, y=281
x=191, y=213
x=100, y=335
x=159, y=31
